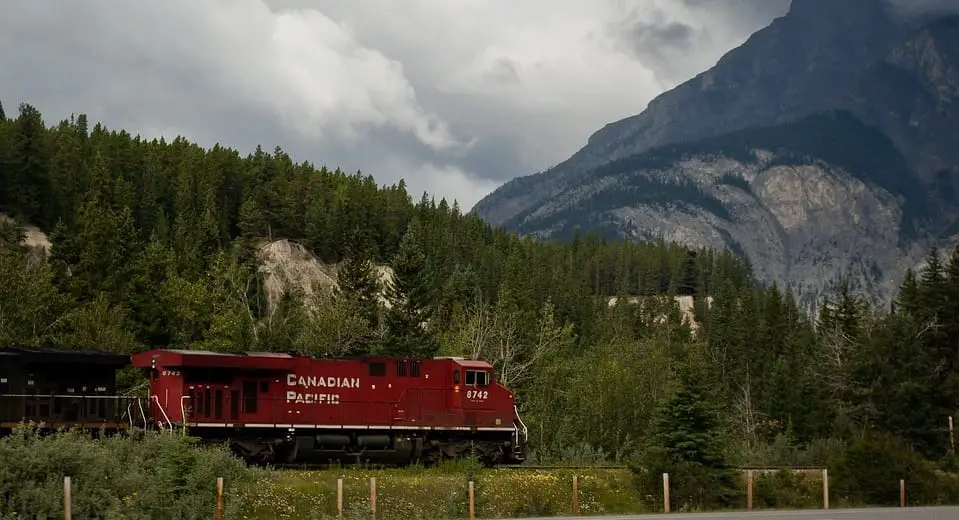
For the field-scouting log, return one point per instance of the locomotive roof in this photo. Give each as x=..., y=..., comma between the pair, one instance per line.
x=55, y=355
x=259, y=360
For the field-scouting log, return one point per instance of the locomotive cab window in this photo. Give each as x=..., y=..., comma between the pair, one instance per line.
x=456, y=377
x=378, y=369
x=477, y=378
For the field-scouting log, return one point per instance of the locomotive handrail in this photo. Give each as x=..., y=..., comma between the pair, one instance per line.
x=71, y=396
x=183, y=416
x=114, y=413
x=165, y=416
x=522, y=424
x=142, y=413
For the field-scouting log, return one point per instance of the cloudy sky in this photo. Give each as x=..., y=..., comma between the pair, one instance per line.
x=455, y=96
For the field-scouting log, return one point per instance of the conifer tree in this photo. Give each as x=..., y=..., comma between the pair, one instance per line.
x=687, y=440
x=411, y=295
x=356, y=279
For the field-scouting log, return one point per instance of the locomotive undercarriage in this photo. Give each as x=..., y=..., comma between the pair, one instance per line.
x=389, y=447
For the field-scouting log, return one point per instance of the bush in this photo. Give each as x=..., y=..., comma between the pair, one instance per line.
x=870, y=470
x=137, y=476
x=692, y=486
x=787, y=489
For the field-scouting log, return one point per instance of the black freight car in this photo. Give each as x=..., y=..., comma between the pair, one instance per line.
x=64, y=389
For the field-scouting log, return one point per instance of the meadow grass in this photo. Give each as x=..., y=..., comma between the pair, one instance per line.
x=438, y=493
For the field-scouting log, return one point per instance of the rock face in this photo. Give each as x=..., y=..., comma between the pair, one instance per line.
x=825, y=145
x=285, y=264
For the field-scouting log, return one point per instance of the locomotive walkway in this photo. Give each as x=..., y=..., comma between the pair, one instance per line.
x=912, y=513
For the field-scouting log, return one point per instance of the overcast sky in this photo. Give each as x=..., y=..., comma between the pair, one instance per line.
x=455, y=96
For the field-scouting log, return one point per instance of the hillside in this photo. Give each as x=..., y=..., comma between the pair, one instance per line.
x=783, y=196
x=167, y=244
x=842, y=173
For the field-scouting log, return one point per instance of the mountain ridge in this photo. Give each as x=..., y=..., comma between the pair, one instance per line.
x=685, y=113
x=878, y=138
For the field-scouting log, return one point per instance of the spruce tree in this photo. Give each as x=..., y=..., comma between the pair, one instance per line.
x=356, y=279
x=411, y=295
x=687, y=441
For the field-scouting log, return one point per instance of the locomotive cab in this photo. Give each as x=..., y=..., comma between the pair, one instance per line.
x=487, y=404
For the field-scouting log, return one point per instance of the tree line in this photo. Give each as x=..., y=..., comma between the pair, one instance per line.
x=155, y=244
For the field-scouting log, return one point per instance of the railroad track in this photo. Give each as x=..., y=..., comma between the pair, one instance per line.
x=531, y=467
x=316, y=467
x=523, y=467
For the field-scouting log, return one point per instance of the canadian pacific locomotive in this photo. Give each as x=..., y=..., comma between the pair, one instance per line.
x=282, y=408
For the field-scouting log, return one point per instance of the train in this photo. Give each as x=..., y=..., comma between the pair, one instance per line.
x=277, y=408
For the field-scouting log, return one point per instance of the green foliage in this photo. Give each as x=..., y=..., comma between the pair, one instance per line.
x=147, y=475
x=412, y=296
x=687, y=442
x=159, y=244
x=870, y=469
x=787, y=489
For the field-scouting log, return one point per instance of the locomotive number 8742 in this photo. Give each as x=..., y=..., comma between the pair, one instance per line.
x=287, y=408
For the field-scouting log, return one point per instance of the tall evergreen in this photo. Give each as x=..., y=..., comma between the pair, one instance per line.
x=411, y=294
x=357, y=283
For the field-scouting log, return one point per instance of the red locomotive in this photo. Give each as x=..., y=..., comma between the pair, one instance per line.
x=287, y=408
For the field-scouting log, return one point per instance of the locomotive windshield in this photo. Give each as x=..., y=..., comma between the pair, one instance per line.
x=477, y=377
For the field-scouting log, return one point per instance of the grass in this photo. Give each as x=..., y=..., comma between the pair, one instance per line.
x=417, y=493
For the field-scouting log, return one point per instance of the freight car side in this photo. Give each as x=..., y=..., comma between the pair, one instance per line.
x=58, y=388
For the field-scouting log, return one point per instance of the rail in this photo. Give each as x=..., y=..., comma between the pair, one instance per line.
x=522, y=425
x=165, y=416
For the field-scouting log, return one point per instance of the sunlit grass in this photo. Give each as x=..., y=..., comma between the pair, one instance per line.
x=438, y=493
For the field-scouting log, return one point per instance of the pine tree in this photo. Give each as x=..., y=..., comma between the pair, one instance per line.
x=411, y=295
x=688, y=275
x=356, y=279
x=687, y=440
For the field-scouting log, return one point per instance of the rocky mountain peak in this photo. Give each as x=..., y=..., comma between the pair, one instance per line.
x=823, y=146
x=794, y=67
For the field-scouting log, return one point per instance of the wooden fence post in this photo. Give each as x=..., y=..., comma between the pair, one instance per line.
x=902, y=492
x=576, y=495
x=825, y=489
x=952, y=437
x=749, y=490
x=67, y=501
x=666, y=492
x=219, y=498
x=472, y=502
x=339, y=497
x=373, y=497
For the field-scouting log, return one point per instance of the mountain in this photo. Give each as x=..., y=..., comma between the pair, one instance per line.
x=912, y=95
x=823, y=146
x=793, y=67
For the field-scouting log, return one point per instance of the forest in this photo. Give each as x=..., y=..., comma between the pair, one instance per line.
x=155, y=244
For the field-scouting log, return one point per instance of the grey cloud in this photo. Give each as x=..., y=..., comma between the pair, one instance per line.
x=749, y=15
x=658, y=45
x=504, y=71
x=673, y=48
x=154, y=69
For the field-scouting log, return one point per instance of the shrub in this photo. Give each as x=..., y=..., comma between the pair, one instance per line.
x=870, y=470
x=137, y=476
x=787, y=489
